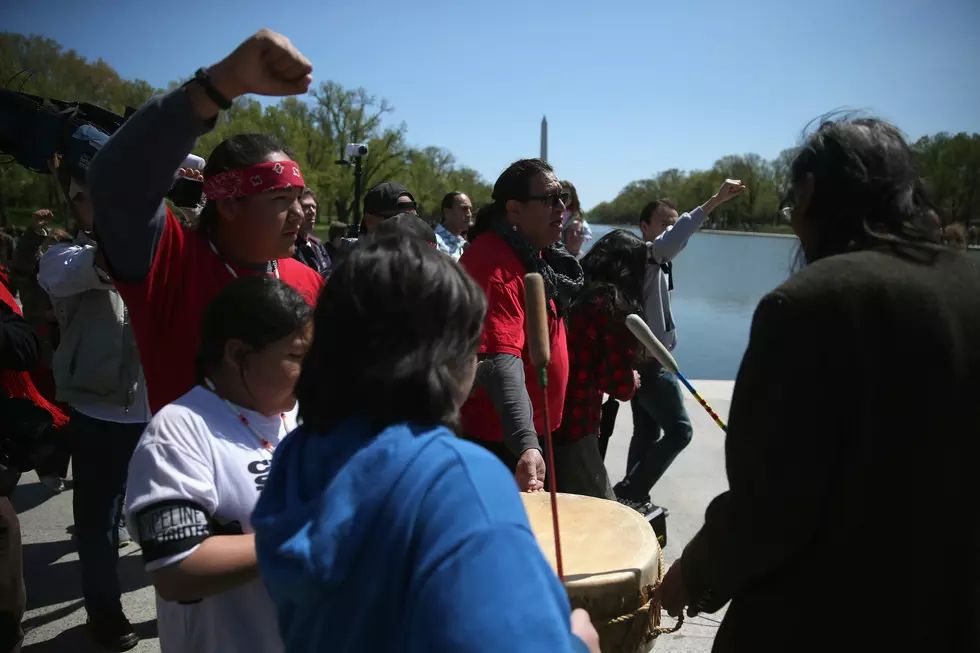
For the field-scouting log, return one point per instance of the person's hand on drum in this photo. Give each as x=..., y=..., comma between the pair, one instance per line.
x=530, y=471
x=583, y=629
x=672, y=592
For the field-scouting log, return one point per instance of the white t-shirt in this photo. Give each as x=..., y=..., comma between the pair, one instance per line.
x=196, y=470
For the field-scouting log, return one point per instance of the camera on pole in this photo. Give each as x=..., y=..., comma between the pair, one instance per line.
x=355, y=152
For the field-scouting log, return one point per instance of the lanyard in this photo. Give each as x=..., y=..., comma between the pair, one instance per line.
x=275, y=264
x=244, y=419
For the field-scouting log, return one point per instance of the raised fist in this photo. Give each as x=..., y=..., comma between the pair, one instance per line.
x=265, y=64
x=191, y=173
x=42, y=217
x=729, y=189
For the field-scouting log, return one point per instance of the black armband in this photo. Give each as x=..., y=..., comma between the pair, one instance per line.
x=169, y=528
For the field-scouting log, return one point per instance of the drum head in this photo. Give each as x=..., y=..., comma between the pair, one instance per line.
x=611, y=561
x=598, y=537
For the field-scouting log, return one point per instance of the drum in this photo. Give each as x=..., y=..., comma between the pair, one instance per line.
x=612, y=562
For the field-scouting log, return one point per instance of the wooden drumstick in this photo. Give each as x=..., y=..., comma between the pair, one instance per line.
x=539, y=343
x=643, y=333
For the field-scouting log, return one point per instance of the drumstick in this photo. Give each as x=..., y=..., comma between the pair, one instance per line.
x=539, y=344
x=643, y=333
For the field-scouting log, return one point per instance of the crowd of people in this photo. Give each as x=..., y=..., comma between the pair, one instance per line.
x=321, y=445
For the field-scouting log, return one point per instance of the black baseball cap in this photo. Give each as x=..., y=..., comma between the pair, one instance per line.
x=384, y=198
x=406, y=225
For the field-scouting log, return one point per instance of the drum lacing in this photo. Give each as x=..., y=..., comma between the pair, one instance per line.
x=651, y=608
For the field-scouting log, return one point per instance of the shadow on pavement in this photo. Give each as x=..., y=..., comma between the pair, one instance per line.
x=50, y=582
x=77, y=639
x=46, y=618
x=28, y=496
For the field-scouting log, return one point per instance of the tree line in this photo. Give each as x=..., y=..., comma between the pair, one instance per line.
x=317, y=128
x=949, y=164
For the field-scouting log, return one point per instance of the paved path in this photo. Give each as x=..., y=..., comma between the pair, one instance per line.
x=55, y=620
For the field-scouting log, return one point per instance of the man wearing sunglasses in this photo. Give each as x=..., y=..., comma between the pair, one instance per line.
x=384, y=201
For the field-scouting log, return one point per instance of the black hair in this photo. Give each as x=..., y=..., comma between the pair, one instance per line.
x=867, y=191
x=614, y=270
x=337, y=229
x=257, y=309
x=514, y=183
x=233, y=153
x=655, y=206
x=417, y=317
x=307, y=192
x=447, y=203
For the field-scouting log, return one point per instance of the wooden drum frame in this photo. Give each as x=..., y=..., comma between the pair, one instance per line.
x=612, y=563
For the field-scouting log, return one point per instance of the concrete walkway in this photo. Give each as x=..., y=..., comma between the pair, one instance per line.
x=55, y=621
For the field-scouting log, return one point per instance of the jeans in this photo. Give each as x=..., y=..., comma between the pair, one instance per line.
x=100, y=464
x=658, y=405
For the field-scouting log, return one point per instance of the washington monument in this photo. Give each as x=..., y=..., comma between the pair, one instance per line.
x=544, y=138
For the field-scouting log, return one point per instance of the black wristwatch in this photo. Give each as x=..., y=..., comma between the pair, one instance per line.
x=203, y=79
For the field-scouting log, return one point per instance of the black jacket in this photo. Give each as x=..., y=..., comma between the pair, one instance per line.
x=851, y=523
x=18, y=342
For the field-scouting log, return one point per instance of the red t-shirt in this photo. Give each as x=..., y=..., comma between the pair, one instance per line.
x=495, y=268
x=166, y=310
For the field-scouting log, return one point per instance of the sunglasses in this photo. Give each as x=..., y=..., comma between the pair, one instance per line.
x=551, y=199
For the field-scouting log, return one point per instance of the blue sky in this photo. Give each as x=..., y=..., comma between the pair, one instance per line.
x=629, y=87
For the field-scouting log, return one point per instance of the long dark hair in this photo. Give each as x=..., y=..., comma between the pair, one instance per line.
x=614, y=272
x=418, y=318
x=867, y=190
x=257, y=309
x=514, y=183
x=574, y=207
x=238, y=151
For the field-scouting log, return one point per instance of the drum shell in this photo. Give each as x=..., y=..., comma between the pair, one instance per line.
x=611, y=562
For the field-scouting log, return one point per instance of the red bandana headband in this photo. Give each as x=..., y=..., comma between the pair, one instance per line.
x=260, y=178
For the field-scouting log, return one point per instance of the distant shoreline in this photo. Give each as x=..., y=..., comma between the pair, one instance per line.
x=973, y=248
x=725, y=232
x=744, y=233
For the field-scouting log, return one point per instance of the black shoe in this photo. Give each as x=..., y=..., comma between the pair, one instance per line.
x=112, y=631
x=644, y=506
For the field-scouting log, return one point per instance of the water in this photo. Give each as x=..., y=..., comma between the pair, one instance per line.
x=718, y=281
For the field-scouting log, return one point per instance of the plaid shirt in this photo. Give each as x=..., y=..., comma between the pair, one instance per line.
x=600, y=361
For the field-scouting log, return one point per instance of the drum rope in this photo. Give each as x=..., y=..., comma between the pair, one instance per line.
x=651, y=609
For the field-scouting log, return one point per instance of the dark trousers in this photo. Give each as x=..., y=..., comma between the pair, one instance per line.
x=607, y=424
x=500, y=450
x=101, y=462
x=661, y=430
x=12, y=595
x=578, y=466
x=57, y=463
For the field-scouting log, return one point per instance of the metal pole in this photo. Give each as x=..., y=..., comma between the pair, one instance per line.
x=358, y=190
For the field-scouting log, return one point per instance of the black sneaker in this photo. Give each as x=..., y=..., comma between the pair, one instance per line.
x=644, y=506
x=112, y=631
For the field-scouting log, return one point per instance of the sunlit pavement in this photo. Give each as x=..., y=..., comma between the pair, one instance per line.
x=55, y=620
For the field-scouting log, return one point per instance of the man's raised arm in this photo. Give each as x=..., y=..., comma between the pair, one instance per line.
x=132, y=174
